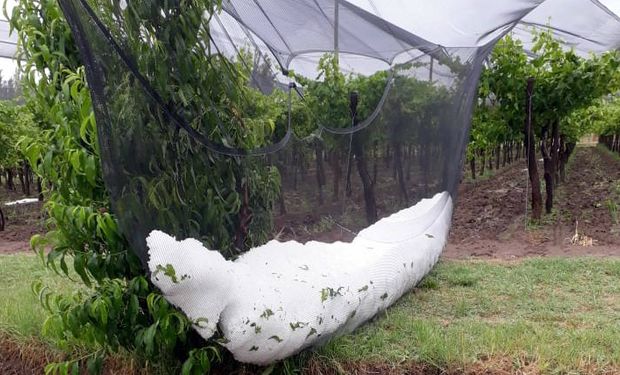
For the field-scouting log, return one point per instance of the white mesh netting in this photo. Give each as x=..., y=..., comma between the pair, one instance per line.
x=282, y=297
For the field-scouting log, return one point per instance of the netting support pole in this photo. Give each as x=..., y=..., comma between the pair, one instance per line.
x=430, y=73
x=336, y=22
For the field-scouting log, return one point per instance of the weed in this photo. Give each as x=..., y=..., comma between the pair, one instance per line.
x=429, y=282
x=461, y=277
x=324, y=225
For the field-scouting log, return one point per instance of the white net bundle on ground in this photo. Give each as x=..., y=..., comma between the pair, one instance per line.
x=338, y=127
x=282, y=297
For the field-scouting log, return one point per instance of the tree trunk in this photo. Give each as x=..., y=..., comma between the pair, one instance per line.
x=335, y=164
x=425, y=166
x=529, y=143
x=244, y=217
x=508, y=152
x=555, y=152
x=497, y=154
x=40, y=189
x=362, y=167
x=515, y=151
x=375, y=158
x=1, y=220
x=398, y=164
x=320, y=173
x=369, y=191
x=472, y=165
x=410, y=158
x=303, y=167
x=9, y=179
x=323, y=159
x=484, y=163
x=281, y=201
x=562, y=159
x=348, y=187
x=566, y=151
x=26, y=169
x=22, y=179
x=549, y=172
x=295, y=166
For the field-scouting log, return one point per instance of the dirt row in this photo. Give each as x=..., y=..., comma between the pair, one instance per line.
x=489, y=219
x=22, y=222
x=490, y=222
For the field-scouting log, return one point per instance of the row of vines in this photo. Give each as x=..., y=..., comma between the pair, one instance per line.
x=117, y=307
x=562, y=90
x=16, y=121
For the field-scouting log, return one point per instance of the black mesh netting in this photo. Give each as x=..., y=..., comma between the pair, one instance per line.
x=201, y=136
x=295, y=120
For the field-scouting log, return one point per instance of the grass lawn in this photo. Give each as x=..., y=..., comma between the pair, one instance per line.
x=20, y=311
x=535, y=315
x=548, y=315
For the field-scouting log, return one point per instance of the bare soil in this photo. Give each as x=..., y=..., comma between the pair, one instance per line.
x=22, y=222
x=489, y=220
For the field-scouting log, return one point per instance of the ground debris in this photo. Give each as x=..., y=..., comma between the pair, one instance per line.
x=581, y=239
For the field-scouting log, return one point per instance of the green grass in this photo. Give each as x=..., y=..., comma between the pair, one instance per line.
x=562, y=314
x=20, y=311
x=607, y=151
x=22, y=318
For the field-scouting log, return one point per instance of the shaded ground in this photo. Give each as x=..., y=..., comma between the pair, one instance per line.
x=22, y=222
x=489, y=218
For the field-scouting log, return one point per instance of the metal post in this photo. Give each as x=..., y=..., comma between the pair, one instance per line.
x=430, y=74
x=336, y=22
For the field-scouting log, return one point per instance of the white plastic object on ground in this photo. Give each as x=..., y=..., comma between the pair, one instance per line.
x=282, y=297
x=22, y=201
